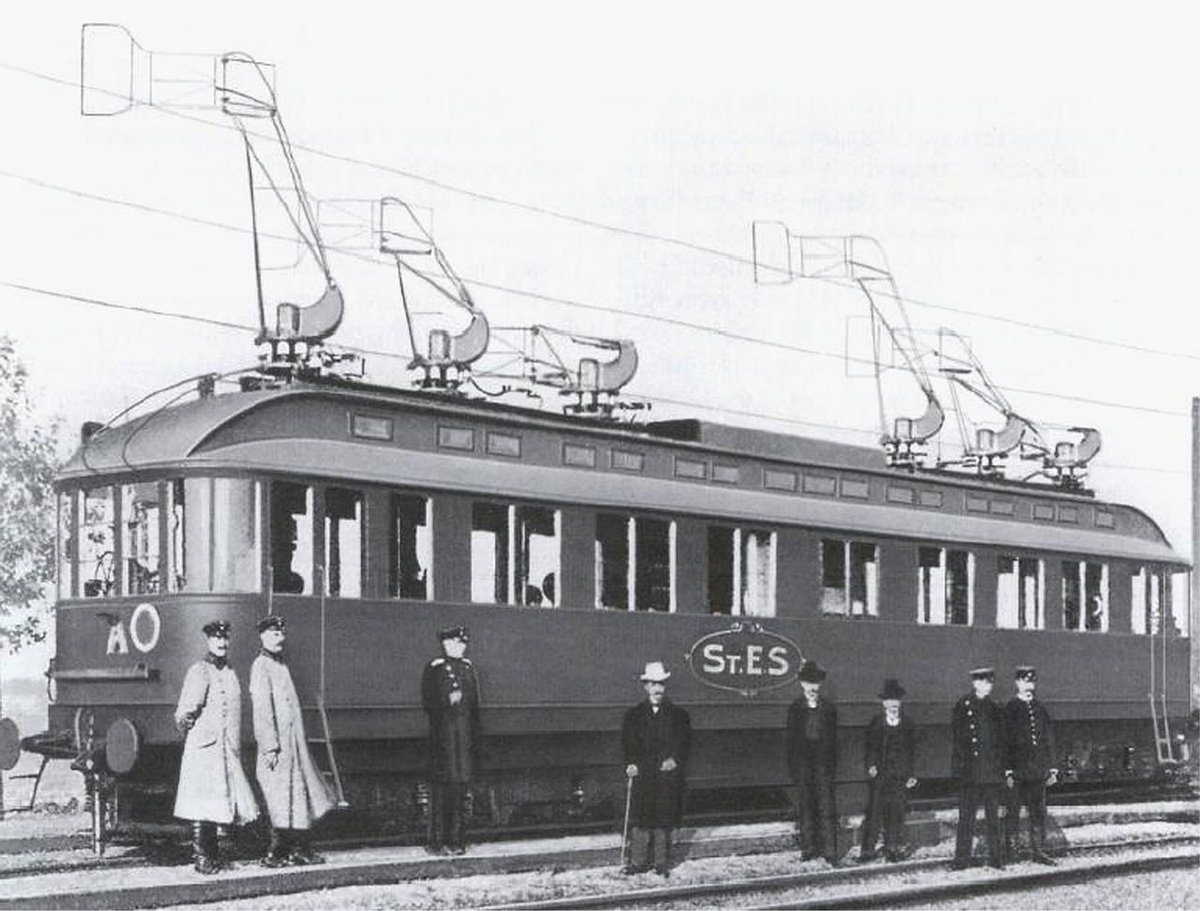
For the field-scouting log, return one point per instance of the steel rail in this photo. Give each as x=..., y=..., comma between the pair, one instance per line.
x=780, y=882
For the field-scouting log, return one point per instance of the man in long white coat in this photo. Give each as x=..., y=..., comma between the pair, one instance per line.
x=295, y=793
x=213, y=788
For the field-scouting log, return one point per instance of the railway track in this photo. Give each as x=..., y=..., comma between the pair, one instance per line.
x=62, y=880
x=758, y=889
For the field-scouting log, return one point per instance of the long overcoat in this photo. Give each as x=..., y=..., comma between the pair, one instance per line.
x=812, y=757
x=295, y=793
x=979, y=742
x=1031, y=747
x=647, y=739
x=212, y=783
x=454, y=728
x=901, y=758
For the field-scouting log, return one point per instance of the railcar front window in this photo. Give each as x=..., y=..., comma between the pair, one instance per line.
x=945, y=586
x=1179, y=603
x=291, y=538
x=411, y=548
x=1020, y=593
x=67, y=543
x=344, y=550
x=97, y=555
x=849, y=578
x=1085, y=595
x=741, y=571
x=140, y=514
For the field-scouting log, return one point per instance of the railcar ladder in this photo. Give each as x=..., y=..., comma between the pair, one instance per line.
x=1163, y=746
x=326, y=735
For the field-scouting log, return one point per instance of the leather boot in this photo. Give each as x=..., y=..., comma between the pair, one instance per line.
x=277, y=850
x=202, y=850
x=302, y=853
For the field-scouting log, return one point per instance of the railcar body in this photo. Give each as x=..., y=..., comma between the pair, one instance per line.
x=576, y=551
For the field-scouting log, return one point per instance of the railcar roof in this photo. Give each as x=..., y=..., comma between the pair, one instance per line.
x=192, y=434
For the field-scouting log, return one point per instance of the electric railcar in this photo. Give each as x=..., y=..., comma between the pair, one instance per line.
x=575, y=551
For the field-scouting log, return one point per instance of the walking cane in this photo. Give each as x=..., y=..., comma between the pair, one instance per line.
x=625, y=829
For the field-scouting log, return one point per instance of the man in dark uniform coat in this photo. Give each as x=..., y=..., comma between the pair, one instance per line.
x=1031, y=768
x=450, y=695
x=812, y=763
x=890, y=743
x=980, y=748
x=656, y=737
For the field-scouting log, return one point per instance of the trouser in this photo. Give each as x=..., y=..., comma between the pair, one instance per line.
x=447, y=800
x=886, y=803
x=816, y=816
x=970, y=796
x=648, y=846
x=1032, y=795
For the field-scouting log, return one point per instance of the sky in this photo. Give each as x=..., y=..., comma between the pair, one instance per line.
x=1029, y=171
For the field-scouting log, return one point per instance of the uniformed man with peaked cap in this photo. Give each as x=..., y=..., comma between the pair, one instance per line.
x=295, y=793
x=977, y=761
x=1031, y=762
x=450, y=695
x=213, y=789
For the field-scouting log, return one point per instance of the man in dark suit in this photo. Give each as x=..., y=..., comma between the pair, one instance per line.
x=812, y=763
x=1031, y=768
x=656, y=737
x=450, y=695
x=977, y=761
x=890, y=743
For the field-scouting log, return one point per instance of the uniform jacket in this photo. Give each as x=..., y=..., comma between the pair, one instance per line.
x=980, y=745
x=1031, y=749
x=295, y=793
x=454, y=730
x=905, y=746
x=816, y=757
x=648, y=738
x=212, y=784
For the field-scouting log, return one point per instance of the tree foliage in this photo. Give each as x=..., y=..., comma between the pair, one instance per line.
x=28, y=462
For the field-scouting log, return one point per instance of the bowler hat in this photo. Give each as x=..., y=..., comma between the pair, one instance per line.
x=1025, y=672
x=655, y=672
x=272, y=622
x=811, y=672
x=455, y=632
x=891, y=689
x=983, y=673
x=219, y=628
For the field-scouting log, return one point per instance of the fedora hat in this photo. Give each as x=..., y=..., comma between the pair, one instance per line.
x=891, y=689
x=811, y=672
x=654, y=673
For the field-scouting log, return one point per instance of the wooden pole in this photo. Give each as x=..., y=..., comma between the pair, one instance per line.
x=1194, y=602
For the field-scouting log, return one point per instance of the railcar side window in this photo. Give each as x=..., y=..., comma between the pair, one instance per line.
x=515, y=554
x=344, y=545
x=140, y=515
x=1020, y=593
x=291, y=538
x=1085, y=595
x=635, y=563
x=945, y=586
x=67, y=543
x=490, y=582
x=741, y=571
x=849, y=578
x=1146, y=601
x=411, y=548
x=98, y=546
